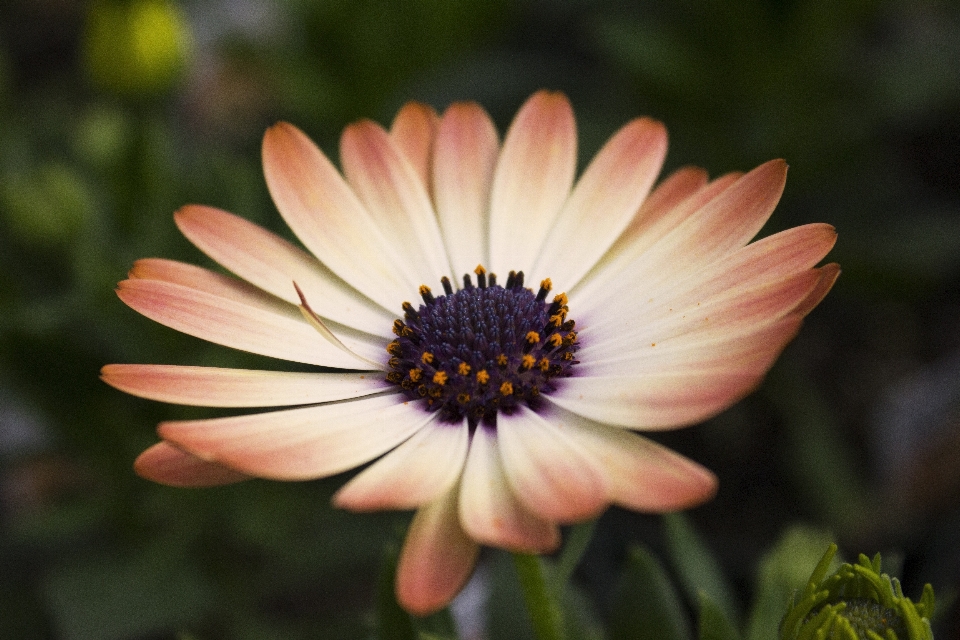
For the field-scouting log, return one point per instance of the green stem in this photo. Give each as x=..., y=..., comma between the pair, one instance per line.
x=541, y=600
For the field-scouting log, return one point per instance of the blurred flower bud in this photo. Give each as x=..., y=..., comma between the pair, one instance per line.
x=135, y=48
x=856, y=602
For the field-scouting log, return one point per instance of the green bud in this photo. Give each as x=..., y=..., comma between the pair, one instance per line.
x=856, y=602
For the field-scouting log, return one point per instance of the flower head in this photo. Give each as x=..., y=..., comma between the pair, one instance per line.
x=495, y=409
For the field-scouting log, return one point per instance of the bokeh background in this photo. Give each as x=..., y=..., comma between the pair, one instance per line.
x=115, y=113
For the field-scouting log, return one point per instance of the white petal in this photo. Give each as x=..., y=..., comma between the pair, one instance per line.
x=490, y=512
x=165, y=464
x=330, y=220
x=464, y=161
x=417, y=472
x=210, y=387
x=273, y=264
x=413, y=131
x=532, y=181
x=305, y=443
x=605, y=199
x=396, y=199
x=550, y=475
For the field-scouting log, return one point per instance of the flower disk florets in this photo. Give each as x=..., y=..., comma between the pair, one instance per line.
x=482, y=349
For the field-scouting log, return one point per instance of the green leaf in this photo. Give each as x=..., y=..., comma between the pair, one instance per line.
x=783, y=571
x=696, y=567
x=646, y=606
x=578, y=539
x=714, y=623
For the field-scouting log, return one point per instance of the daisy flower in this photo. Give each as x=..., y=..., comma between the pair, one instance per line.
x=502, y=327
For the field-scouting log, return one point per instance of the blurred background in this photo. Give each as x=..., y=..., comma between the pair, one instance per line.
x=115, y=113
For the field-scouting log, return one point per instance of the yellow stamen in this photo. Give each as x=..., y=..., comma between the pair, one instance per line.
x=533, y=337
x=440, y=378
x=416, y=374
x=555, y=340
x=426, y=358
x=543, y=365
x=483, y=377
x=394, y=348
x=479, y=270
x=506, y=389
x=561, y=299
x=527, y=362
x=546, y=283
x=502, y=360
x=463, y=369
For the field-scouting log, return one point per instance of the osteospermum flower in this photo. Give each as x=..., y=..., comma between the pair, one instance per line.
x=502, y=327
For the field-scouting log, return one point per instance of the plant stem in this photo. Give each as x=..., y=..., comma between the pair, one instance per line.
x=542, y=602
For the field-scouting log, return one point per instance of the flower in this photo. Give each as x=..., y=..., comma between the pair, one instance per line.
x=495, y=410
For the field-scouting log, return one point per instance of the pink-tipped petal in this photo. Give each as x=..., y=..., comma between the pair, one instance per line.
x=413, y=131
x=828, y=276
x=728, y=314
x=415, y=473
x=490, y=512
x=604, y=200
x=301, y=444
x=233, y=319
x=547, y=469
x=532, y=180
x=211, y=387
x=673, y=201
x=723, y=225
x=273, y=264
x=639, y=473
x=437, y=558
x=166, y=464
x=693, y=384
x=464, y=160
x=396, y=199
x=330, y=220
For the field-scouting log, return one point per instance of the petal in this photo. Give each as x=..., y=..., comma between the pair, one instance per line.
x=273, y=264
x=532, y=180
x=548, y=472
x=466, y=154
x=726, y=314
x=673, y=201
x=828, y=276
x=415, y=473
x=604, y=200
x=236, y=316
x=329, y=219
x=210, y=387
x=667, y=400
x=490, y=512
x=396, y=199
x=437, y=558
x=639, y=473
x=413, y=131
x=301, y=444
x=168, y=465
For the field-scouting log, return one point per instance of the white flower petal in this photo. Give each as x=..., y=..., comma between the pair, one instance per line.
x=549, y=473
x=273, y=264
x=604, y=200
x=531, y=182
x=437, y=557
x=639, y=474
x=413, y=131
x=417, y=472
x=464, y=160
x=304, y=443
x=396, y=198
x=235, y=314
x=211, y=387
x=490, y=512
x=330, y=220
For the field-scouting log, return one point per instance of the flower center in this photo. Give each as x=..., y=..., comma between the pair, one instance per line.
x=483, y=349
